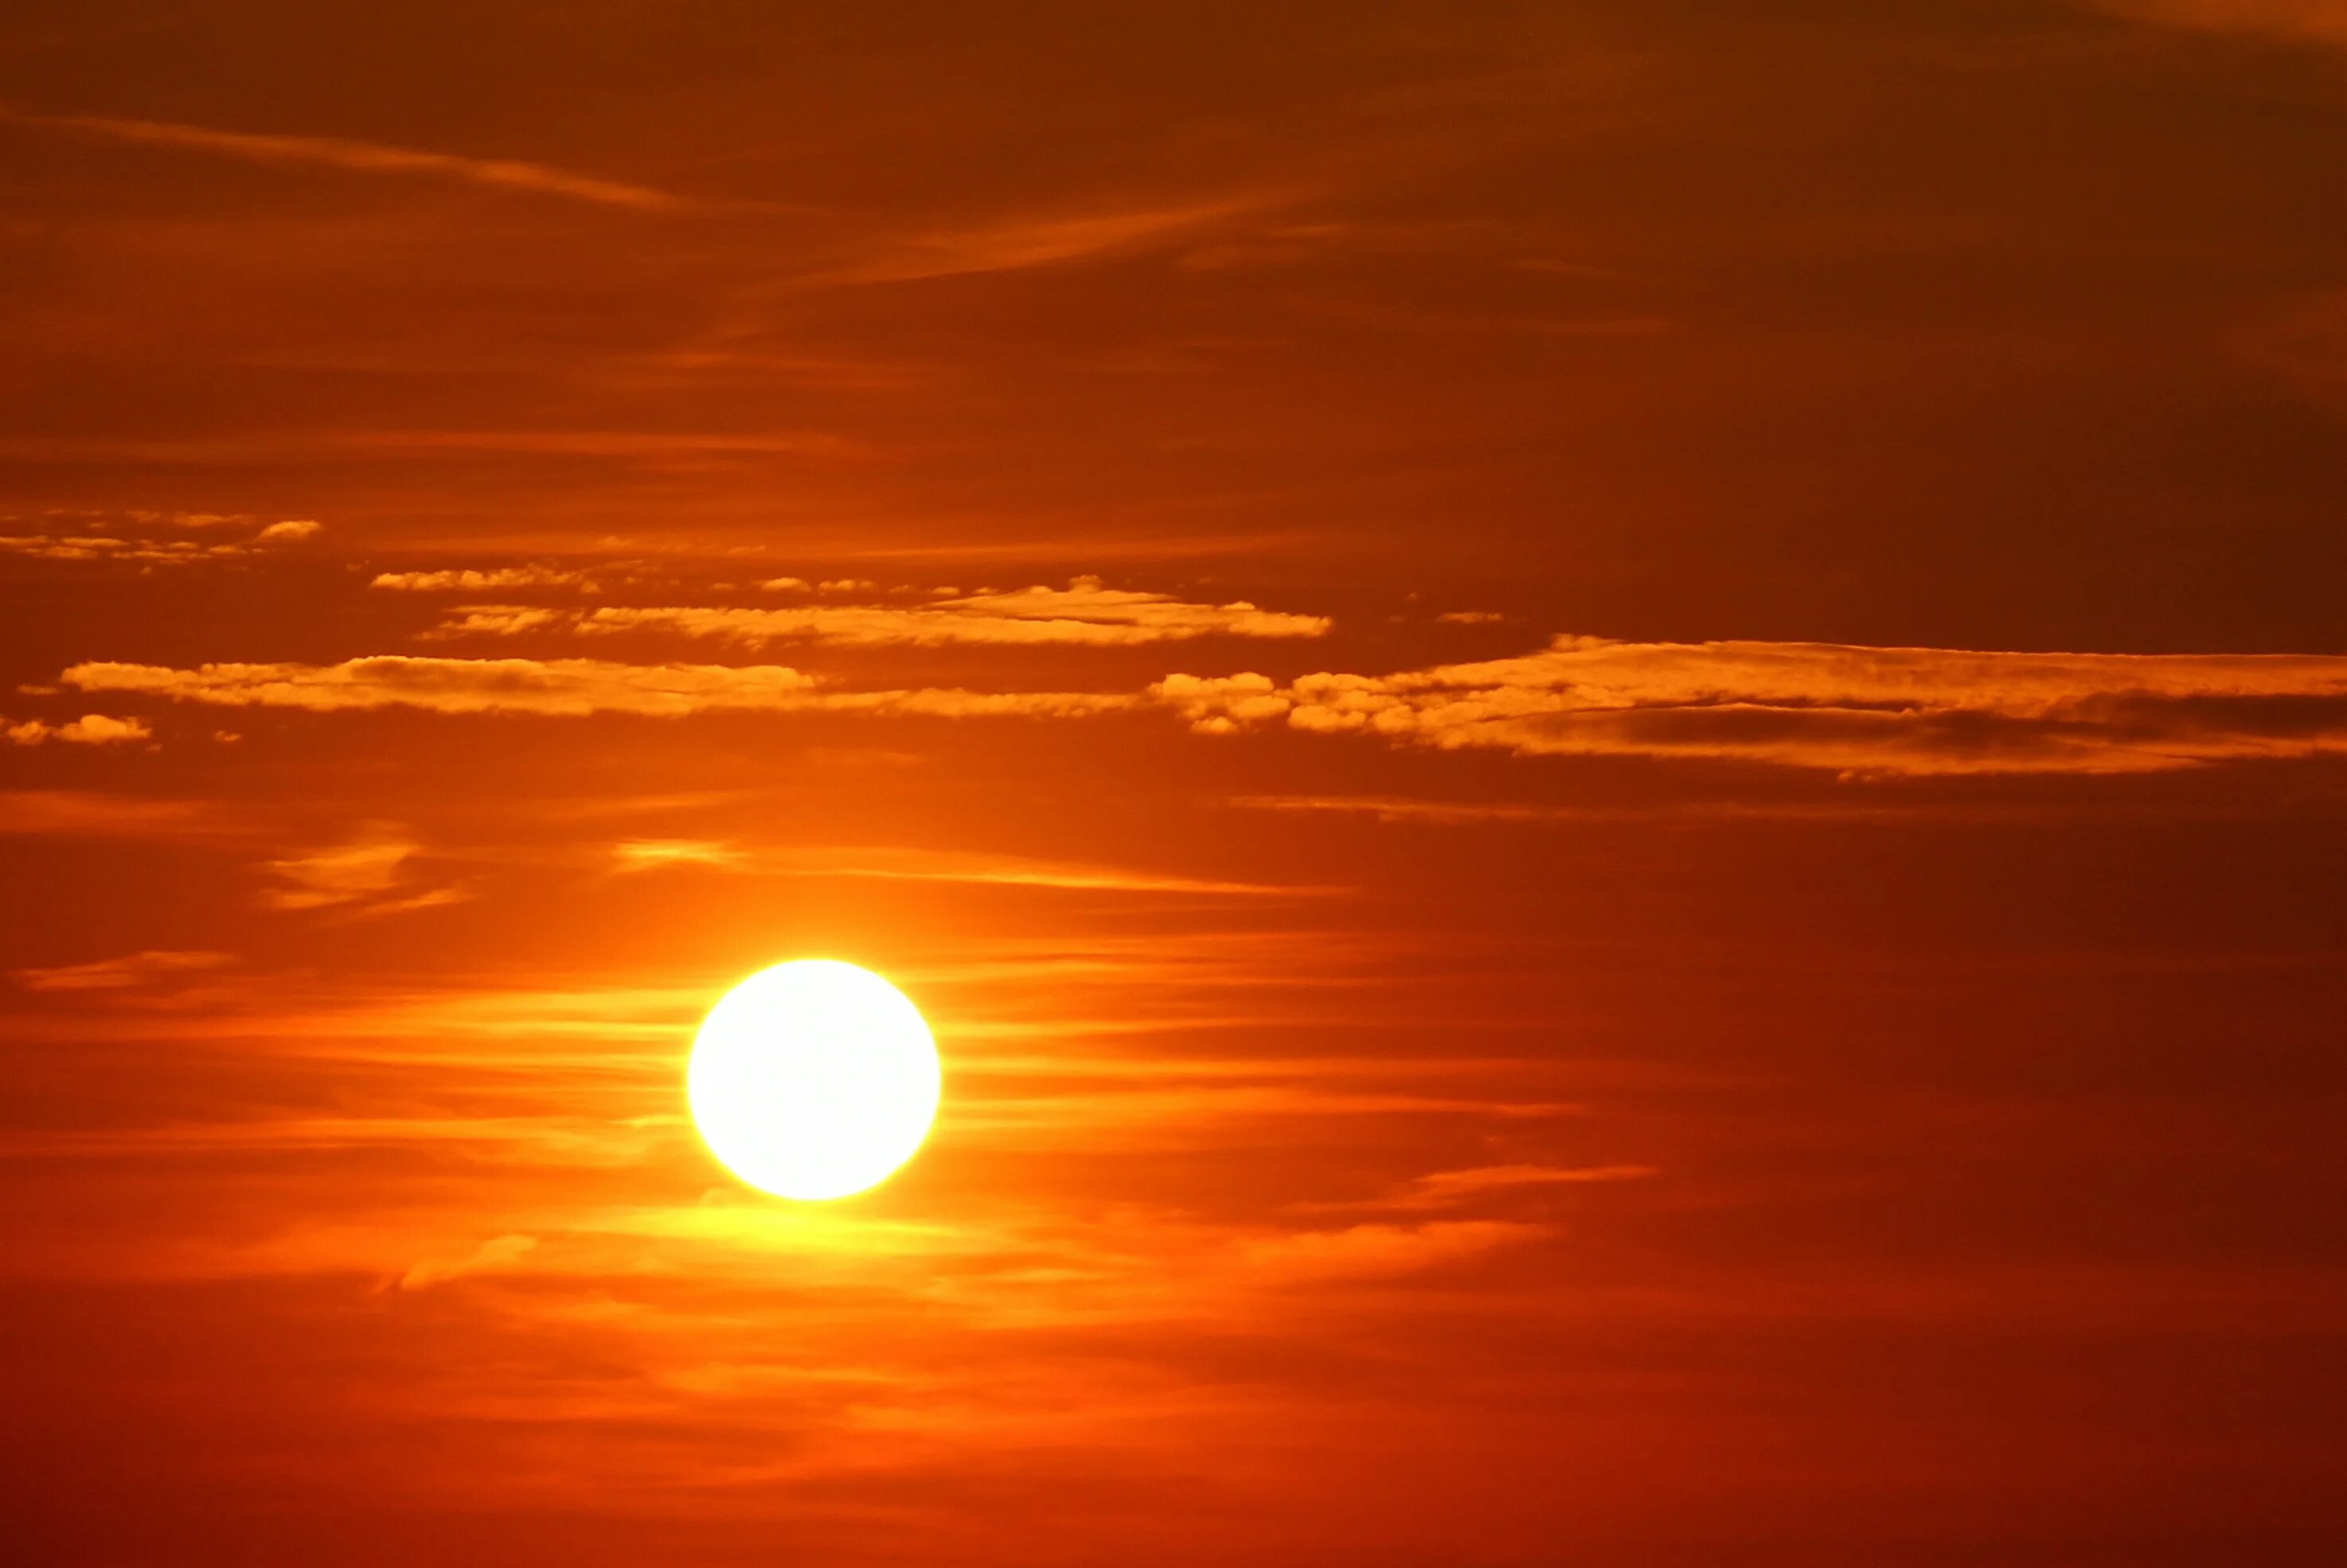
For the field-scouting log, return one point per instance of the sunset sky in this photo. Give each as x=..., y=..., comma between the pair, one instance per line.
x=1610, y=739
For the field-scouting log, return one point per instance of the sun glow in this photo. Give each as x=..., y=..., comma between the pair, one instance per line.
x=812, y=1080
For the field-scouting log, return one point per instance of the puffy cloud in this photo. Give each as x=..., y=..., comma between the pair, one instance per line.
x=112, y=547
x=1085, y=612
x=500, y=620
x=568, y=687
x=471, y=580
x=1908, y=710
x=144, y=537
x=1218, y=704
x=89, y=730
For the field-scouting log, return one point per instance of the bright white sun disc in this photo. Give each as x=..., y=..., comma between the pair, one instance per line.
x=812, y=1079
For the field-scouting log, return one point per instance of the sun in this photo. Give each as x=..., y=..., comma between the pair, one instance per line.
x=812, y=1080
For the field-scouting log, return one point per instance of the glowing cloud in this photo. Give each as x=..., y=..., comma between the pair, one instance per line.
x=568, y=687
x=1818, y=705
x=1085, y=613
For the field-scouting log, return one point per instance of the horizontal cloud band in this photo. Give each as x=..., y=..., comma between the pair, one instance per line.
x=558, y=686
x=1892, y=711
x=1086, y=613
x=1878, y=710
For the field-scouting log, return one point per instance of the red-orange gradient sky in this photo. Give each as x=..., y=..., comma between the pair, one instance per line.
x=1611, y=739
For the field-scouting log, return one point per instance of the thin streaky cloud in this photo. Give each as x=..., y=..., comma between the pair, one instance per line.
x=1452, y=1189
x=562, y=688
x=130, y=971
x=89, y=814
x=1087, y=613
x=1018, y=245
x=908, y=863
x=360, y=157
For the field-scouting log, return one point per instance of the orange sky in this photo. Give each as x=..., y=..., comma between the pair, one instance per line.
x=1610, y=739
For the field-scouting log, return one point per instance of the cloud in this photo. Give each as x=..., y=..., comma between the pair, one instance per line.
x=1449, y=1189
x=371, y=869
x=655, y=444
x=78, y=813
x=141, y=969
x=1869, y=710
x=912, y=863
x=1018, y=244
x=564, y=687
x=1402, y=808
x=1374, y=1251
x=139, y=537
x=469, y=581
x=655, y=854
x=89, y=730
x=499, y=1253
x=112, y=547
x=360, y=157
x=1843, y=808
x=1085, y=613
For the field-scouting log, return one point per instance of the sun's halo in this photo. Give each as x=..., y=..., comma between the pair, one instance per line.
x=812, y=1080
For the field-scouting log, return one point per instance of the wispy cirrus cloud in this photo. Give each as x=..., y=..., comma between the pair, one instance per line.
x=1455, y=1189
x=497, y=1253
x=372, y=871
x=357, y=156
x=1085, y=613
x=559, y=687
x=1018, y=243
x=130, y=971
x=87, y=813
x=1849, y=709
x=913, y=864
